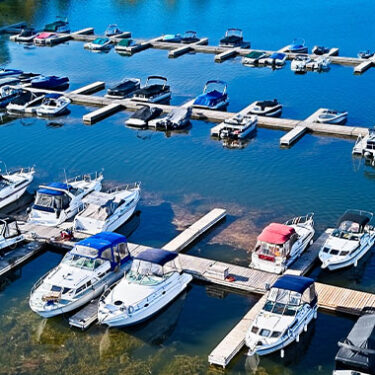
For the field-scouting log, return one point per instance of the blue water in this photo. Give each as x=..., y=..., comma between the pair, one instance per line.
x=184, y=175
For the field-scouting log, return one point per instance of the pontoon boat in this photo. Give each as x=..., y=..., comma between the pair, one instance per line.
x=58, y=202
x=233, y=38
x=99, y=44
x=319, y=50
x=153, y=281
x=330, y=116
x=7, y=94
x=279, y=245
x=50, y=83
x=83, y=274
x=349, y=242
x=61, y=25
x=253, y=58
x=107, y=211
x=177, y=118
x=10, y=234
x=189, y=37
x=291, y=305
x=53, y=105
x=236, y=127
x=124, y=89
x=154, y=91
x=112, y=30
x=297, y=46
x=214, y=96
x=269, y=108
x=143, y=115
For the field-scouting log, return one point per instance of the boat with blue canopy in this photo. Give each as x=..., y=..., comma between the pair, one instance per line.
x=83, y=274
x=214, y=96
x=50, y=82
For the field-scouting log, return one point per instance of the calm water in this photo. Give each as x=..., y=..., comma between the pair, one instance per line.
x=184, y=175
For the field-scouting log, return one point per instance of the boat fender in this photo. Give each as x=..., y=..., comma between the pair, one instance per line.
x=297, y=338
x=305, y=328
x=130, y=310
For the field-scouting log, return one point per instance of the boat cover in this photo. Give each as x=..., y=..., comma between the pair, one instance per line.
x=125, y=42
x=357, y=352
x=151, y=90
x=100, y=205
x=103, y=240
x=124, y=87
x=157, y=256
x=294, y=283
x=207, y=98
x=356, y=217
x=267, y=103
x=276, y=233
x=255, y=54
x=146, y=113
x=231, y=39
x=176, y=116
x=277, y=56
x=58, y=185
x=100, y=41
x=54, y=25
x=9, y=81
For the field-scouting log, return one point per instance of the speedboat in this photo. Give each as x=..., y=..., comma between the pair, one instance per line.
x=356, y=354
x=9, y=81
x=44, y=38
x=321, y=64
x=105, y=212
x=269, y=108
x=50, y=83
x=83, y=274
x=214, y=96
x=9, y=72
x=233, y=38
x=152, y=282
x=10, y=234
x=126, y=46
x=253, y=58
x=365, y=145
x=99, y=44
x=349, y=242
x=299, y=63
x=236, y=127
x=365, y=54
x=319, y=50
x=26, y=102
x=154, y=91
x=53, y=105
x=61, y=25
x=58, y=202
x=7, y=94
x=13, y=184
x=171, y=38
x=276, y=59
x=290, y=306
x=189, y=37
x=177, y=118
x=330, y=116
x=143, y=115
x=26, y=35
x=297, y=46
x=279, y=245
x=112, y=30
x=124, y=89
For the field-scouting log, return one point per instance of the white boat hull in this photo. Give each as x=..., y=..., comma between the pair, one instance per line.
x=156, y=99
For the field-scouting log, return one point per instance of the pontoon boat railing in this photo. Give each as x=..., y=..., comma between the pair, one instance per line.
x=301, y=219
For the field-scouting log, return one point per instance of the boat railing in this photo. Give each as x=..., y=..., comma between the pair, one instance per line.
x=39, y=282
x=17, y=170
x=301, y=219
x=134, y=186
x=86, y=177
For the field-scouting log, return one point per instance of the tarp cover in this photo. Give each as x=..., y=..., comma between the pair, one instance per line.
x=276, y=233
x=361, y=219
x=103, y=240
x=157, y=256
x=58, y=185
x=358, y=349
x=295, y=283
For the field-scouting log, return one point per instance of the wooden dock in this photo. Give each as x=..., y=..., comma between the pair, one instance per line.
x=186, y=48
x=365, y=65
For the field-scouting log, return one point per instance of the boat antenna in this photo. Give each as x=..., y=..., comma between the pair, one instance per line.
x=66, y=178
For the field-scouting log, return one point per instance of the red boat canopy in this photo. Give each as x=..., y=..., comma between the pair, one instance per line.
x=276, y=234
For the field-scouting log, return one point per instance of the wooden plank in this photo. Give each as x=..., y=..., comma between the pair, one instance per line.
x=225, y=55
x=293, y=135
x=89, y=89
x=186, y=48
x=101, y=113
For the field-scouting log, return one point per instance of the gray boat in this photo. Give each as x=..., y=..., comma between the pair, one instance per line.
x=178, y=118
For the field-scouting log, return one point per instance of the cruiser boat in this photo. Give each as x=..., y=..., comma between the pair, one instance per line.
x=365, y=54
x=112, y=30
x=50, y=83
x=172, y=38
x=290, y=306
x=299, y=63
x=83, y=274
x=26, y=35
x=214, y=96
x=297, y=46
x=279, y=245
x=177, y=118
x=58, y=202
x=276, y=59
x=356, y=355
x=269, y=108
x=53, y=105
x=189, y=37
x=349, y=242
x=9, y=72
x=154, y=91
x=236, y=127
x=143, y=115
x=27, y=102
x=61, y=25
x=44, y=37
x=152, y=282
x=7, y=94
x=10, y=235
x=233, y=38
x=124, y=89
x=253, y=58
x=99, y=44
x=319, y=50
x=105, y=212
x=126, y=46
x=13, y=185
x=330, y=116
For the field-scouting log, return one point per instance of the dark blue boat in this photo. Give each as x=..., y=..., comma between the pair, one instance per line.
x=50, y=82
x=9, y=72
x=214, y=96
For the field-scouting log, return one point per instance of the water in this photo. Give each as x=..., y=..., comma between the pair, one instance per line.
x=184, y=175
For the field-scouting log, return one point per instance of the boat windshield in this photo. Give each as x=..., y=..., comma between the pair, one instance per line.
x=83, y=262
x=4, y=182
x=270, y=249
x=146, y=273
x=52, y=201
x=282, y=302
x=347, y=230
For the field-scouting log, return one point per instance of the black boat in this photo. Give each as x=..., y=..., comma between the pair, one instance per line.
x=365, y=54
x=357, y=352
x=189, y=37
x=143, y=115
x=27, y=77
x=319, y=50
x=124, y=89
x=155, y=90
x=233, y=38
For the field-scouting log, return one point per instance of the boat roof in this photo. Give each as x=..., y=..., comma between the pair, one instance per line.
x=157, y=256
x=103, y=240
x=294, y=283
x=362, y=218
x=276, y=233
x=53, y=186
x=125, y=42
x=100, y=40
x=358, y=349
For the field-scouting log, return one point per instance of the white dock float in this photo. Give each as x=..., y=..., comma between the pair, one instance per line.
x=86, y=316
x=233, y=52
x=332, y=52
x=186, y=48
x=101, y=113
x=365, y=65
x=90, y=89
x=293, y=135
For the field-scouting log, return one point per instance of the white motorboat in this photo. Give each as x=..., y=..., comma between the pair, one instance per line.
x=276, y=59
x=279, y=245
x=84, y=273
x=61, y=201
x=13, y=185
x=253, y=58
x=349, y=242
x=236, y=127
x=27, y=102
x=152, y=282
x=365, y=145
x=10, y=234
x=269, y=108
x=154, y=91
x=112, y=30
x=99, y=44
x=299, y=63
x=53, y=105
x=320, y=64
x=105, y=212
x=290, y=306
x=330, y=116
x=26, y=35
x=177, y=118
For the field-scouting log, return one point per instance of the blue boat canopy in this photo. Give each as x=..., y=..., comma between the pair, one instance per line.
x=295, y=283
x=58, y=185
x=53, y=96
x=157, y=256
x=103, y=241
x=277, y=55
